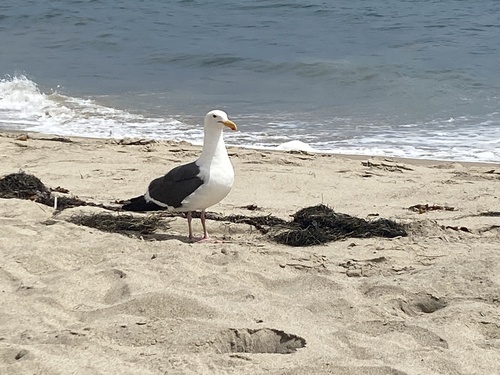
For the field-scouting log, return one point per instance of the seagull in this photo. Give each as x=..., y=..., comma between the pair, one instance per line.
x=197, y=185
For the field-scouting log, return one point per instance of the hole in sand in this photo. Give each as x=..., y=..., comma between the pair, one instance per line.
x=422, y=303
x=263, y=340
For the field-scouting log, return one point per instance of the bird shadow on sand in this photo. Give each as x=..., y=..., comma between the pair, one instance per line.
x=165, y=237
x=179, y=237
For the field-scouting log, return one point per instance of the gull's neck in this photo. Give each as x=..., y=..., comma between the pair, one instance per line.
x=213, y=145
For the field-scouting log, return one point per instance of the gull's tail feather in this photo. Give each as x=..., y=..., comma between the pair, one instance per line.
x=139, y=204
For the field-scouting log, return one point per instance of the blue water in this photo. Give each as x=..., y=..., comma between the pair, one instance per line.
x=384, y=77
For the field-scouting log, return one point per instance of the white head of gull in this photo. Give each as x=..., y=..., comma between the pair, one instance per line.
x=197, y=185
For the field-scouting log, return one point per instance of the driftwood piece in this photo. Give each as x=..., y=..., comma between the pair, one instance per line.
x=422, y=208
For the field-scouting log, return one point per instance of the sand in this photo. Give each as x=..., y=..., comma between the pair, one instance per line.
x=75, y=300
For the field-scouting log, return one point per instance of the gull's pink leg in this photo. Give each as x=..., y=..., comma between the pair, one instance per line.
x=202, y=217
x=190, y=218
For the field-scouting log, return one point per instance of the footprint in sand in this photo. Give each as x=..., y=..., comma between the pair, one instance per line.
x=374, y=339
x=411, y=304
x=263, y=340
x=154, y=305
x=422, y=336
x=426, y=303
x=119, y=289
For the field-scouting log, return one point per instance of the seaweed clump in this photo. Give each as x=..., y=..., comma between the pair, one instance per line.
x=262, y=223
x=24, y=186
x=122, y=223
x=320, y=224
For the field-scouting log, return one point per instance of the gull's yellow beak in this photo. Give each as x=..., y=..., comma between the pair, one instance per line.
x=231, y=125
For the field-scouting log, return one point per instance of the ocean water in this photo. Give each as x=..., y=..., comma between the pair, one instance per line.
x=403, y=78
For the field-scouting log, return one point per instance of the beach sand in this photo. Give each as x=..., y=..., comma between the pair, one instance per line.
x=75, y=300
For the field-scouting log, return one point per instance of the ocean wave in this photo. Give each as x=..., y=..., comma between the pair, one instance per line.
x=24, y=107
x=339, y=71
x=468, y=138
x=196, y=60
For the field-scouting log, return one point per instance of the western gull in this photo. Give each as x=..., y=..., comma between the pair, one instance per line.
x=197, y=185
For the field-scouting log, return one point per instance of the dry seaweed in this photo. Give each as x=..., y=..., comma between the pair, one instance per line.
x=263, y=223
x=316, y=225
x=135, y=142
x=320, y=224
x=252, y=207
x=386, y=166
x=70, y=202
x=24, y=186
x=58, y=139
x=456, y=228
x=310, y=226
x=421, y=208
x=490, y=214
x=121, y=223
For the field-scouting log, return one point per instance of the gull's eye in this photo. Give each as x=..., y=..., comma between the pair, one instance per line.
x=214, y=116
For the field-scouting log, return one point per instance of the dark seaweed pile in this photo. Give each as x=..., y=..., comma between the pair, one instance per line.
x=263, y=223
x=24, y=186
x=121, y=223
x=310, y=226
x=317, y=225
x=320, y=224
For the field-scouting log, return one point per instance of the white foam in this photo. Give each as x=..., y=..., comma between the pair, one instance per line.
x=21, y=102
x=295, y=146
x=23, y=105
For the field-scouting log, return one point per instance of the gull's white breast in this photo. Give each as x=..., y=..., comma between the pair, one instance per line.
x=218, y=179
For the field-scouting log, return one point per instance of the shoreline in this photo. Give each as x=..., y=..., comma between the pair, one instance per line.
x=425, y=303
x=423, y=161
